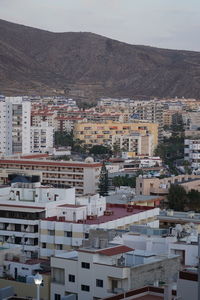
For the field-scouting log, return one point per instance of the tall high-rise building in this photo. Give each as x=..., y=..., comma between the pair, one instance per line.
x=15, y=125
x=17, y=134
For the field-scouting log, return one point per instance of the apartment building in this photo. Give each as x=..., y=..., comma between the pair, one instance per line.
x=71, y=224
x=188, y=284
x=18, y=136
x=64, y=123
x=171, y=117
x=15, y=268
x=180, y=240
x=155, y=186
x=22, y=207
x=191, y=120
x=39, y=116
x=42, y=138
x=170, y=218
x=103, y=270
x=84, y=176
x=192, y=152
x=15, y=125
x=102, y=133
x=136, y=144
x=151, y=111
x=47, y=221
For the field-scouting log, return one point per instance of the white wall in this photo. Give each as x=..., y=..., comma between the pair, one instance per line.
x=187, y=289
x=22, y=269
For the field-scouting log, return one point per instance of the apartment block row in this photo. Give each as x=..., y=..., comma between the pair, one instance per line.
x=84, y=176
x=47, y=221
x=139, y=137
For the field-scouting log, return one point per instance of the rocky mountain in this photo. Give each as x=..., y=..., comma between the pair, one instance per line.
x=87, y=65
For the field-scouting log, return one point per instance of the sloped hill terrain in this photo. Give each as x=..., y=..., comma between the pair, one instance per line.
x=34, y=61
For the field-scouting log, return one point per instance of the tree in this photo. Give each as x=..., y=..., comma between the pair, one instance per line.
x=194, y=200
x=116, y=148
x=63, y=138
x=177, y=197
x=187, y=167
x=103, y=181
x=171, y=150
x=100, y=149
x=124, y=181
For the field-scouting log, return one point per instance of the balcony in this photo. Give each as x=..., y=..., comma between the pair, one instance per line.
x=158, y=191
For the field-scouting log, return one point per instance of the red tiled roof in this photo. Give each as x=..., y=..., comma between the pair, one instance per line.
x=115, y=250
x=37, y=155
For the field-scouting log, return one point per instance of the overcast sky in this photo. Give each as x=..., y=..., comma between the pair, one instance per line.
x=163, y=23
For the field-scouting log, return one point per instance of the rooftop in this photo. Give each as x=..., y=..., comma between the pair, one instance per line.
x=23, y=208
x=113, y=212
x=27, y=261
x=109, y=251
x=124, y=197
x=48, y=163
x=145, y=293
x=179, y=216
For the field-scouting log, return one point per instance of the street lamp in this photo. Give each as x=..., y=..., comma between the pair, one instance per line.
x=38, y=281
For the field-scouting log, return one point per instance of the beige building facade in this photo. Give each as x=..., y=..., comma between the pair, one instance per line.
x=153, y=186
x=102, y=133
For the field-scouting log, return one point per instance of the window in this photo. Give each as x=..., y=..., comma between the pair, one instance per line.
x=51, y=232
x=44, y=245
x=58, y=275
x=57, y=297
x=85, y=265
x=68, y=234
x=86, y=235
x=59, y=247
x=71, y=278
x=99, y=282
x=85, y=288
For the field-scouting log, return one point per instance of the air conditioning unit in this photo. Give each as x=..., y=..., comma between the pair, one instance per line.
x=170, y=212
x=191, y=214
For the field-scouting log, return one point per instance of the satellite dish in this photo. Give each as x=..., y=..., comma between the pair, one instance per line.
x=179, y=227
x=123, y=197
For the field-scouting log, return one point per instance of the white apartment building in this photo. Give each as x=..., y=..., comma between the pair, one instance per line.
x=17, y=134
x=136, y=143
x=47, y=221
x=104, y=270
x=22, y=207
x=15, y=125
x=192, y=152
x=17, y=271
x=180, y=240
x=72, y=223
x=42, y=138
